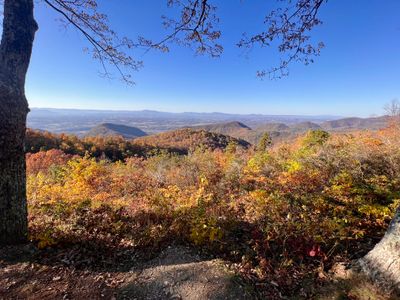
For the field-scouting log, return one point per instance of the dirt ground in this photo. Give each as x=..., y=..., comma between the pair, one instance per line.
x=176, y=273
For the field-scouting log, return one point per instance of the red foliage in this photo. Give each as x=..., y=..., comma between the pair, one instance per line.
x=43, y=160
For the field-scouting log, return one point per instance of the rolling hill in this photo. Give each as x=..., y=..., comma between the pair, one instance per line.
x=305, y=126
x=356, y=123
x=281, y=131
x=228, y=128
x=234, y=129
x=188, y=139
x=109, y=129
x=278, y=131
x=273, y=127
x=79, y=122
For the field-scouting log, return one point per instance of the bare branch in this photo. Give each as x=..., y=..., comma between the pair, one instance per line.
x=393, y=110
x=290, y=27
x=195, y=28
x=107, y=46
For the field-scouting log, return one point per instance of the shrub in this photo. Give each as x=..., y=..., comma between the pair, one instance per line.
x=279, y=215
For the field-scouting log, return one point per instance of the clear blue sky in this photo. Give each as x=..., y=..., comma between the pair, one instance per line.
x=357, y=73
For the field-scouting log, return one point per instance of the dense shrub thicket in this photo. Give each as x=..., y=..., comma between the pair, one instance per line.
x=117, y=148
x=113, y=148
x=281, y=213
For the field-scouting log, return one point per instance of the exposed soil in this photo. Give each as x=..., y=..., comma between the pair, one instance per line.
x=176, y=273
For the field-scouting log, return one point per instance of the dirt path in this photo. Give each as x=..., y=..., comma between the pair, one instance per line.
x=176, y=273
x=180, y=274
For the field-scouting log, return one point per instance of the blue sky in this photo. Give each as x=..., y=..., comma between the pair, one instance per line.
x=356, y=74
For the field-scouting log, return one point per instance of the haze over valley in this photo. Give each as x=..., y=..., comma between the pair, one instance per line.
x=134, y=124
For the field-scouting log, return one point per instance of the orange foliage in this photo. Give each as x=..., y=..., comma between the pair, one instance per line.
x=279, y=214
x=43, y=160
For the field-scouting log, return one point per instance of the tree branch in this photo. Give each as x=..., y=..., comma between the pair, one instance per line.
x=107, y=47
x=195, y=27
x=290, y=28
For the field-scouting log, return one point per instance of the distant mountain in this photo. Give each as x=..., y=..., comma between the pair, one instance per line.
x=108, y=129
x=188, y=139
x=239, y=130
x=235, y=129
x=79, y=122
x=224, y=127
x=277, y=131
x=305, y=126
x=248, y=127
x=356, y=123
x=269, y=127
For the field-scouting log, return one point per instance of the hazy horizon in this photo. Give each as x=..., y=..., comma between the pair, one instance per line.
x=382, y=113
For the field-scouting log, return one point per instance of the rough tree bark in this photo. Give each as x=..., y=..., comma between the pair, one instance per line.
x=19, y=29
x=382, y=263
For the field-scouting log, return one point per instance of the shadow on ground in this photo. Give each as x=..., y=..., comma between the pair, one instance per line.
x=176, y=273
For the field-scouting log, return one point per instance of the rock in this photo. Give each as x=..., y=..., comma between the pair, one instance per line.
x=382, y=263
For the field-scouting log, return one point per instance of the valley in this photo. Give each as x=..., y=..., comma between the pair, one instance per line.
x=135, y=124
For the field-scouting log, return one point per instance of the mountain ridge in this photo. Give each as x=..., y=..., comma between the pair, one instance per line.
x=189, y=139
x=109, y=129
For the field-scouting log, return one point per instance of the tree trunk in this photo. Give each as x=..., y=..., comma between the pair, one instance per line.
x=13, y=207
x=19, y=29
x=382, y=263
